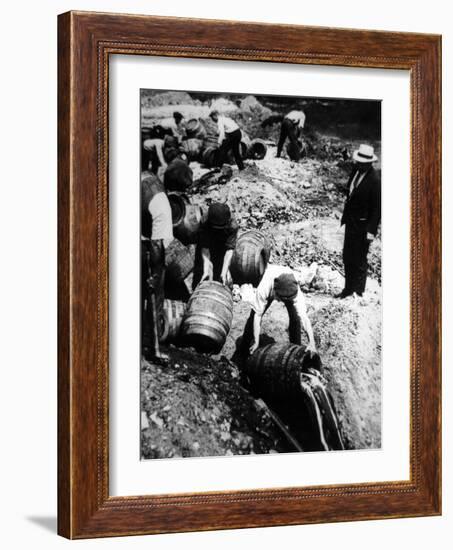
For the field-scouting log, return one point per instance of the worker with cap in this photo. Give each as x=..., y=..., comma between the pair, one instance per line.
x=175, y=125
x=230, y=137
x=277, y=283
x=291, y=128
x=156, y=235
x=361, y=217
x=216, y=244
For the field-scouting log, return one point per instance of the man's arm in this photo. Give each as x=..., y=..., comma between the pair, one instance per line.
x=160, y=155
x=374, y=215
x=226, y=265
x=306, y=323
x=207, y=264
x=256, y=333
x=221, y=129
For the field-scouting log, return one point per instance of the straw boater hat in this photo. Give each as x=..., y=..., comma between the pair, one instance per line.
x=365, y=153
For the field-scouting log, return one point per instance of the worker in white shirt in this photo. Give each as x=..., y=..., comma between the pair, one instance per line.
x=279, y=283
x=176, y=125
x=153, y=152
x=230, y=136
x=156, y=235
x=291, y=128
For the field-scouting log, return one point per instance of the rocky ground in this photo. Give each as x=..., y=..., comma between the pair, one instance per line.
x=197, y=405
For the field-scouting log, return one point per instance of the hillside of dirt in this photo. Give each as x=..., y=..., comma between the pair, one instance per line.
x=198, y=405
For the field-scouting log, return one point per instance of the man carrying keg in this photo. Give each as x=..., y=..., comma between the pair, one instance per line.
x=156, y=234
x=216, y=244
x=291, y=127
x=230, y=137
x=279, y=283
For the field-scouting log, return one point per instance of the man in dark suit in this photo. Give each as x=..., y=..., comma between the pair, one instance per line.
x=361, y=217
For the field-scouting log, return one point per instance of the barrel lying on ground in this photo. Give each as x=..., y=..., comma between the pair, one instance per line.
x=187, y=218
x=174, y=311
x=250, y=258
x=208, y=317
x=179, y=261
x=257, y=149
x=287, y=377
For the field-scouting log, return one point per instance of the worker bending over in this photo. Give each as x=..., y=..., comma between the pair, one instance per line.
x=230, y=137
x=216, y=244
x=279, y=283
x=291, y=128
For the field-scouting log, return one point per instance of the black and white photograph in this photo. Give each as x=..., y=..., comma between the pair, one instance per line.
x=261, y=291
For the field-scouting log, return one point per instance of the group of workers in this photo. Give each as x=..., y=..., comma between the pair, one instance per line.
x=217, y=238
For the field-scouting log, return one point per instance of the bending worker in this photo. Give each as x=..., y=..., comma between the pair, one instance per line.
x=230, y=136
x=291, y=128
x=279, y=283
x=156, y=235
x=216, y=244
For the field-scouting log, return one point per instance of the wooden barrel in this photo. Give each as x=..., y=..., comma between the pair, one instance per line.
x=188, y=229
x=187, y=218
x=274, y=371
x=208, y=317
x=195, y=129
x=173, y=315
x=192, y=148
x=210, y=157
x=178, y=203
x=250, y=257
x=257, y=149
x=179, y=262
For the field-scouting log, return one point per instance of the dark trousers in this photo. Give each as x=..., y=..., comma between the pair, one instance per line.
x=153, y=280
x=355, y=251
x=287, y=130
x=294, y=329
x=232, y=142
x=217, y=257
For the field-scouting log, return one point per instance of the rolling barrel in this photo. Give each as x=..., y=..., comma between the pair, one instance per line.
x=257, y=149
x=179, y=261
x=250, y=257
x=208, y=317
x=274, y=371
x=173, y=315
x=187, y=218
x=195, y=129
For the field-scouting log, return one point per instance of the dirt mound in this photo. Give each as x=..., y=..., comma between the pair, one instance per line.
x=348, y=335
x=165, y=98
x=196, y=406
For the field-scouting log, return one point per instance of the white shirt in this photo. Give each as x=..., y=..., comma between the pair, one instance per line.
x=156, y=145
x=160, y=210
x=265, y=291
x=298, y=117
x=226, y=125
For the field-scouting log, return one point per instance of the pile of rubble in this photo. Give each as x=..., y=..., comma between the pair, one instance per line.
x=196, y=406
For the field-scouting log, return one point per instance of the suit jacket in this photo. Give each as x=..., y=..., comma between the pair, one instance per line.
x=362, y=209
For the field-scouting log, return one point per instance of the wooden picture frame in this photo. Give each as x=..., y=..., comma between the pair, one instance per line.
x=85, y=41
